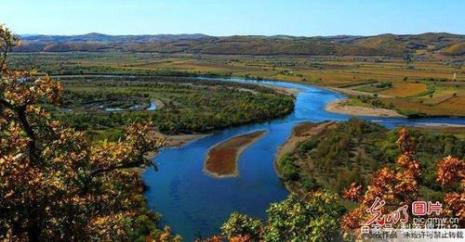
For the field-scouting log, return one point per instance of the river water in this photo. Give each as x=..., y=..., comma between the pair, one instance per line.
x=195, y=204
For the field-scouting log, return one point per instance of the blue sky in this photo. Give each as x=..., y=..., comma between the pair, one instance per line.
x=234, y=17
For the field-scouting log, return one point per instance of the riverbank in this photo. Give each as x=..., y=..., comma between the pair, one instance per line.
x=286, y=91
x=340, y=106
x=222, y=158
x=300, y=133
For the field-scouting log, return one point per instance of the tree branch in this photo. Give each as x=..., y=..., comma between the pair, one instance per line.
x=133, y=164
x=7, y=104
x=21, y=112
x=22, y=117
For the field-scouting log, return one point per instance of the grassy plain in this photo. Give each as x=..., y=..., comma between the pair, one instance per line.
x=424, y=87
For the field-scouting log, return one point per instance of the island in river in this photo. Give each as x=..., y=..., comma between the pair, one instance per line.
x=222, y=158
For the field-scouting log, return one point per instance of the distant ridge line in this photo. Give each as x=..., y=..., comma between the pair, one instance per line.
x=429, y=44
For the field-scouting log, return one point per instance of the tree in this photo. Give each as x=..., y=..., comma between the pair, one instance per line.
x=314, y=218
x=311, y=218
x=396, y=188
x=408, y=58
x=451, y=173
x=399, y=187
x=242, y=225
x=7, y=42
x=353, y=192
x=55, y=184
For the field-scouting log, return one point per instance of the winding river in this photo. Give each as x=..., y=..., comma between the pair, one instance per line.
x=195, y=204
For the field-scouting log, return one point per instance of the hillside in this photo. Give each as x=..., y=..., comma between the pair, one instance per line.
x=380, y=45
x=342, y=153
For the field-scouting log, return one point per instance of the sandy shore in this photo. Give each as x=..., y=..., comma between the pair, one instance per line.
x=340, y=107
x=222, y=158
x=182, y=139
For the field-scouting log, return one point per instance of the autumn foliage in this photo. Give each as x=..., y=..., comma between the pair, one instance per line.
x=451, y=173
x=399, y=186
x=56, y=185
x=353, y=192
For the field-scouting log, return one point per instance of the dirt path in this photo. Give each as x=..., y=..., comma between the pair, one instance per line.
x=352, y=92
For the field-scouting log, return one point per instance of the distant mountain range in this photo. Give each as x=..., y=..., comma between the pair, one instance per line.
x=443, y=44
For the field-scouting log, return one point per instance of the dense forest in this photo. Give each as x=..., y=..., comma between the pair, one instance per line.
x=185, y=105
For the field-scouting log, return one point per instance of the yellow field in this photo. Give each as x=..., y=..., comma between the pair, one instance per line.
x=405, y=89
x=453, y=106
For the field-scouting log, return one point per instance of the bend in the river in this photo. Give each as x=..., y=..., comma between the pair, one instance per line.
x=195, y=204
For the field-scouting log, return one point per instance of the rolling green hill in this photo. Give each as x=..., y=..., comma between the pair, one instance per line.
x=380, y=45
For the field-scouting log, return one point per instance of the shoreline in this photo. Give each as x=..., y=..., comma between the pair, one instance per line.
x=238, y=151
x=183, y=139
x=339, y=107
x=308, y=129
x=294, y=139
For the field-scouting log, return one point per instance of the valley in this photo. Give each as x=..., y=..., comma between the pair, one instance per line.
x=232, y=121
